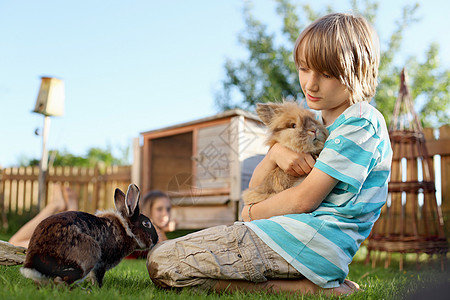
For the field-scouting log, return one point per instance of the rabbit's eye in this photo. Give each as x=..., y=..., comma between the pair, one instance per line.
x=293, y=125
x=147, y=224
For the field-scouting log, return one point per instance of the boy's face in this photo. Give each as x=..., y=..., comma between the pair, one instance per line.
x=323, y=92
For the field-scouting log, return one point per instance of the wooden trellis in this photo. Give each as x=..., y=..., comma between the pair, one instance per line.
x=411, y=222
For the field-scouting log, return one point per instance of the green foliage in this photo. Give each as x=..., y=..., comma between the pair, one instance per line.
x=15, y=222
x=431, y=86
x=93, y=157
x=269, y=73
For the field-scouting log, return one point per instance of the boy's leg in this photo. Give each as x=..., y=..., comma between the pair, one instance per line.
x=219, y=253
x=229, y=258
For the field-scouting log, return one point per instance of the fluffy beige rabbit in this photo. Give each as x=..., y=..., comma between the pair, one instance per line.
x=295, y=128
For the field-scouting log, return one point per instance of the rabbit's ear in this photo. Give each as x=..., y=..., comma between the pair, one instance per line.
x=119, y=202
x=132, y=200
x=266, y=111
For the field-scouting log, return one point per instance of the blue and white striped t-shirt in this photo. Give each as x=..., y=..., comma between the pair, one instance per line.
x=321, y=244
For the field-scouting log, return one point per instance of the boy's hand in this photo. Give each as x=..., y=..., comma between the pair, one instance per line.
x=293, y=163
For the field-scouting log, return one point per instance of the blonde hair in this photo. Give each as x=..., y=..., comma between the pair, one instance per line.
x=344, y=46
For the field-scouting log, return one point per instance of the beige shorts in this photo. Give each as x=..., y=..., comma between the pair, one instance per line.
x=224, y=252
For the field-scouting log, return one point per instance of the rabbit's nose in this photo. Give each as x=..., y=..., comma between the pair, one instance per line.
x=313, y=133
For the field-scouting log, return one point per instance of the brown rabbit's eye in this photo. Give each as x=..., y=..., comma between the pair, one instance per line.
x=293, y=125
x=147, y=224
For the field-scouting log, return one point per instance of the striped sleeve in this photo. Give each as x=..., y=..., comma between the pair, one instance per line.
x=350, y=153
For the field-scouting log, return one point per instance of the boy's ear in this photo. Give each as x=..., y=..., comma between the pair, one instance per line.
x=267, y=111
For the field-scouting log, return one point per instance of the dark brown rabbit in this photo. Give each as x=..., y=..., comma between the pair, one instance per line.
x=295, y=128
x=69, y=246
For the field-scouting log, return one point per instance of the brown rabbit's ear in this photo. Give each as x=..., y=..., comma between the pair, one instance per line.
x=132, y=199
x=119, y=202
x=266, y=111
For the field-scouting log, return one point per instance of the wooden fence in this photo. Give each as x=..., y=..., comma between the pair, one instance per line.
x=440, y=145
x=94, y=187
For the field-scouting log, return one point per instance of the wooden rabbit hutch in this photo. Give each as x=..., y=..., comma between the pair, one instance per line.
x=203, y=165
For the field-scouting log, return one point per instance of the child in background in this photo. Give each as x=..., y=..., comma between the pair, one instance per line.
x=157, y=206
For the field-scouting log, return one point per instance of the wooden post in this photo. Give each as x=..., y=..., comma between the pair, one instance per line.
x=444, y=135
x=2, y=202
x=195, y=150
x=146, y=165
x=136, y=165
x=236, y=129
x=395, y=209
x=43, y=166
x=410, y=207
x=95, y=190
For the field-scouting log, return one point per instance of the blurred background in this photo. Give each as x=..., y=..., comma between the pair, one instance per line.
x=135, y=66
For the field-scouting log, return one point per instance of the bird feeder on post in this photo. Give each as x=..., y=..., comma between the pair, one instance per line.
x=50, y=102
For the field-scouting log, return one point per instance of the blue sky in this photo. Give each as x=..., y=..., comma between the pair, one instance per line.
x=134, y=66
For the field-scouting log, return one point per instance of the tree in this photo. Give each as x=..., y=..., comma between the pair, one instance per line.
x=93, y=157
x=430, y=86
x=269, y=73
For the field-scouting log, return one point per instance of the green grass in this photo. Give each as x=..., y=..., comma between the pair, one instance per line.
x=130, y=280
x=4, y=237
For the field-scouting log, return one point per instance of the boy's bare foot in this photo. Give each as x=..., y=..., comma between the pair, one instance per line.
x=346, y=288
x=70, y=199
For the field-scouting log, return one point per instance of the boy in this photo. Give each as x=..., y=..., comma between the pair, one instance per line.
x=309, y=233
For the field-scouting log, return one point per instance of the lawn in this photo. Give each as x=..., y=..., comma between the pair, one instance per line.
x=130, y=280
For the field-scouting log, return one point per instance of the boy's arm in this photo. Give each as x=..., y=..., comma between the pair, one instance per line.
x=293, y=163
x=303, y=198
